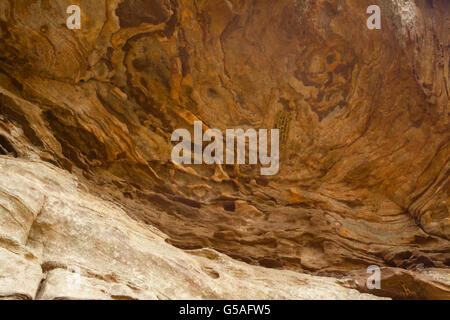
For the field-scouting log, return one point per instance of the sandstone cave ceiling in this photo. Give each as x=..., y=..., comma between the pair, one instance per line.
x=362, y=114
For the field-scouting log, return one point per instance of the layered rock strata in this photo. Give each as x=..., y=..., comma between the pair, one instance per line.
x=363, y=117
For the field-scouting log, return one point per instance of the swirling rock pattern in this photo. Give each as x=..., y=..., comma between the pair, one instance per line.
x=363, y=115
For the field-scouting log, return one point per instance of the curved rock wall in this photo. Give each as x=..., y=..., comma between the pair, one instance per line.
x=362, y=114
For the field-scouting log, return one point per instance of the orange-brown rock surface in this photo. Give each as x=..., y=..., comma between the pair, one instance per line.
x=363, y=116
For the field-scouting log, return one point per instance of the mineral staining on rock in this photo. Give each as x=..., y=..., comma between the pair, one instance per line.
x=79, y=246
x=86, y=118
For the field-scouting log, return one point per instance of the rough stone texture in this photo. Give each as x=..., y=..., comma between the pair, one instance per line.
x=83, y=247
x=364, y=173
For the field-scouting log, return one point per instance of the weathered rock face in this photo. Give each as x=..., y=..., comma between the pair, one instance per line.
x=57, y=241
x=363, y=116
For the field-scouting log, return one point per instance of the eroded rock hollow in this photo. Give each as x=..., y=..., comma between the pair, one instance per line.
x=88, y=183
